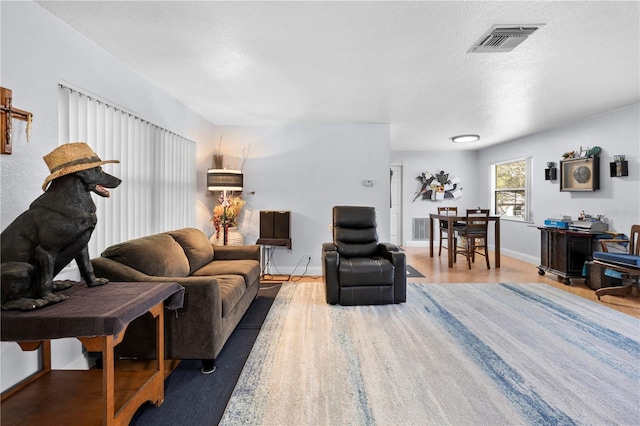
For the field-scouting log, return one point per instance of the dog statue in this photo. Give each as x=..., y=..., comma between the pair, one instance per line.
x=54, y=230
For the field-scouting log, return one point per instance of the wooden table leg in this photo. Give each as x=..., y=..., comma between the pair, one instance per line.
x=450, y=247
x=497, y=242
x=152, y=390
x=430, y=236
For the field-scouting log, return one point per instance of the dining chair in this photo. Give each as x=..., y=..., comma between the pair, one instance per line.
x=444, y=228
x=627, y=264
x=474, y=235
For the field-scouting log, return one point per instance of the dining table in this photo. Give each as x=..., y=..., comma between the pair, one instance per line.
x=453, y=218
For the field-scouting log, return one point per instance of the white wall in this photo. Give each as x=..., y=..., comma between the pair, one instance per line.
x=306, y=169
x=456, y=163
x=616, y=132
x=38, y=51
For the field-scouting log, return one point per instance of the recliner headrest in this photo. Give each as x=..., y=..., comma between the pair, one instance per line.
x=354, y=217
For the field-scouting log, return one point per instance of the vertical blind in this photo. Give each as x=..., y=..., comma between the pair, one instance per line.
x=157, y=168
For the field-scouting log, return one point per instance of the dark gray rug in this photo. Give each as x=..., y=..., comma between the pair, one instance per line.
x=194, y=399
x=413, y=272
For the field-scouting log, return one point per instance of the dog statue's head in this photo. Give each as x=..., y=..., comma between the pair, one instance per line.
x=79, y=158
x=97, y=181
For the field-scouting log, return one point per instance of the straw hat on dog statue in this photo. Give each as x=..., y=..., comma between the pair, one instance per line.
x=55, y=229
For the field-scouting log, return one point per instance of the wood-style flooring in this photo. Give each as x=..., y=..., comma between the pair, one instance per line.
x=435, y=270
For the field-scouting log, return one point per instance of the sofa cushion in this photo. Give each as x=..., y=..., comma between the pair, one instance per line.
x=248, y=269
x=157, y=255
x=232, y=288
x=196, y=246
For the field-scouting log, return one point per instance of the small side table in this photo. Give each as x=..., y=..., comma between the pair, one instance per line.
x=269, y=244
x=98, y=317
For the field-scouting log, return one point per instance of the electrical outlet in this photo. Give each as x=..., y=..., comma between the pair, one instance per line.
x=330, y=227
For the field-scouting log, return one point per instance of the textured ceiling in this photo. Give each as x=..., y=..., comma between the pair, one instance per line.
x=402, y=63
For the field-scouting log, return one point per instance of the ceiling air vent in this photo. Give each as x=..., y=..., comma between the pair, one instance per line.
x=503, y=38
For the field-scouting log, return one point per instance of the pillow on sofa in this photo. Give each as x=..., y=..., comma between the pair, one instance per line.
x=196, y=246
x=156, y=255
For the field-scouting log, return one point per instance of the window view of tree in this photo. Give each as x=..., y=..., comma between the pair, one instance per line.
x=510, y=187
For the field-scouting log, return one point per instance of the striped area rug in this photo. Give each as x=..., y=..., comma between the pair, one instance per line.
x=454, y=354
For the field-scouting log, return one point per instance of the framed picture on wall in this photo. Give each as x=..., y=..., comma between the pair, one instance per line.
x=580, y=174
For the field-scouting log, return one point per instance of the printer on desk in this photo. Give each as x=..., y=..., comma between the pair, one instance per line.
x=589, y=226
x=586, y=223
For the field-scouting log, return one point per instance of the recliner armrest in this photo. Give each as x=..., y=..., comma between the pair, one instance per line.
x=329, y=247
x=389, y=247
x=330, y=260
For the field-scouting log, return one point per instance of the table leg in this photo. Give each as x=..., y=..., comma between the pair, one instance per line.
x=450, y=246
x=497, y=242
x=430, y=237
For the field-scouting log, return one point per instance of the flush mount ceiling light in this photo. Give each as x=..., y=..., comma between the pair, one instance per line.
x=465, y=138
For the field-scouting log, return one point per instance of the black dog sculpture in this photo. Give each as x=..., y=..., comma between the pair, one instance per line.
x=54, y=230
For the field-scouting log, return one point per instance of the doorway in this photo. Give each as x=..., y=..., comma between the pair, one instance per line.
x=395, y=205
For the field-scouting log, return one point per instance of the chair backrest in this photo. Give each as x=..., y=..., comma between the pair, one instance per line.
x=448, y=211
x=634, y=240
x=477, y=221
x=355, y=231
x=631, y=246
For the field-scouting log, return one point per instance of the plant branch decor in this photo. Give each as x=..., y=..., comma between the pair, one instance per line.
x=234, y=207
x=438, y=186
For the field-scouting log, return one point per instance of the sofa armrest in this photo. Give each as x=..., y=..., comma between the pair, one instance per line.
x=115, y=271
x=250, y=252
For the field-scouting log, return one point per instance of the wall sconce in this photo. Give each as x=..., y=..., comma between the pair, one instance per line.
x=550, y=173
x=224, y=180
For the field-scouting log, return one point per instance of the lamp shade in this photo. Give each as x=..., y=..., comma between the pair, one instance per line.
x=224, y=180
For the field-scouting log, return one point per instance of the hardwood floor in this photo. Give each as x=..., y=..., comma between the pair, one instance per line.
x=435, y=270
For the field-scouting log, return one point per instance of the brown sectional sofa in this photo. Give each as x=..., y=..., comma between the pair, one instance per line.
x=220, y=283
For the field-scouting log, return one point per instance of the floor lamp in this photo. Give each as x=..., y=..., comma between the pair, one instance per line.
x=224, y=180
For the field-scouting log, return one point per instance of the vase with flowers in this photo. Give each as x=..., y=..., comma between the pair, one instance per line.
x=225, y=217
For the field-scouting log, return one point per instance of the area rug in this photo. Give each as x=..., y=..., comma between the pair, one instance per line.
x=454, y=354
x=195, y=399
x=413, y=272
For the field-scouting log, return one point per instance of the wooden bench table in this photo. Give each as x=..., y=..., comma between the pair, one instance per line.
x=98, y=317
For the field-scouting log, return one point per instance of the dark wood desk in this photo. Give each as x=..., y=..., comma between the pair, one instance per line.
x=563, y=252
x=98, y=317
x=450, y=219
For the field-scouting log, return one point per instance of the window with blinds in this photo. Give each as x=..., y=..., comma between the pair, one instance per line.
x=157, y=168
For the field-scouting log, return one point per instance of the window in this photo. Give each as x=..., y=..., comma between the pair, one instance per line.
x=157, y=168
x=511, y=189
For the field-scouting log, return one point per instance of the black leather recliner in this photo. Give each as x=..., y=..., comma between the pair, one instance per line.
x=356, y=268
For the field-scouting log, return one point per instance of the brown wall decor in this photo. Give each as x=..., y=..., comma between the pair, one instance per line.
x=580, y=174
x=8, y=112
